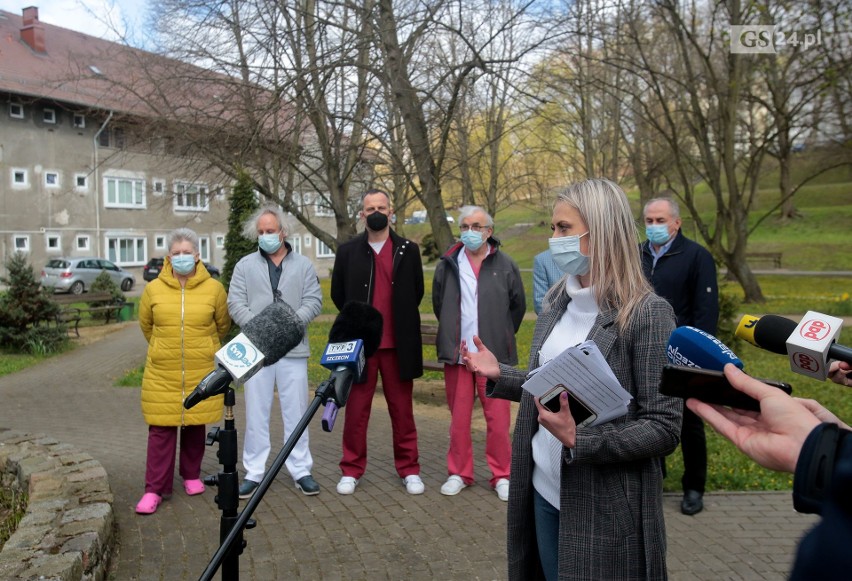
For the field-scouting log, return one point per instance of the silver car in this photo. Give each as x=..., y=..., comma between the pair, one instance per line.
x=76, y=275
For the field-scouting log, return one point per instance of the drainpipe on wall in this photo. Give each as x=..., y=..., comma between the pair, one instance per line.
x=98, y=186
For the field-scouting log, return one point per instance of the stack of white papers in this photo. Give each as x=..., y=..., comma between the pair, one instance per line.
x=587, y=376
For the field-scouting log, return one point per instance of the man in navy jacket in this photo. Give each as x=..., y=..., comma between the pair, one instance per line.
x=684, y=273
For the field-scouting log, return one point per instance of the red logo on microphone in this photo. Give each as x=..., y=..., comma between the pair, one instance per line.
x=815, y=330
x=805, y=362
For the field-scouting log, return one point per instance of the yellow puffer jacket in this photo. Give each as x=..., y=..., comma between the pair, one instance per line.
x=184, y=329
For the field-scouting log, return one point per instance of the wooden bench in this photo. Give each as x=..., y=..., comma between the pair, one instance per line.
x=69, y=315
x=773, y=258
x=429, y=336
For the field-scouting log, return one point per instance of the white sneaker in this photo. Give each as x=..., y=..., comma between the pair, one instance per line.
x=453, y=485
x=413, y=484
x=502, y=488
x=347, y=485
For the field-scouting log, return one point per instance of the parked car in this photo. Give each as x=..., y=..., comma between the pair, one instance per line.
x=152, y=270
x=76, y=275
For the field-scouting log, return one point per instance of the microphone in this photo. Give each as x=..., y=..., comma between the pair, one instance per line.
x=809, y=345
x=692, y=347
x=265, y=339
x=355, y=335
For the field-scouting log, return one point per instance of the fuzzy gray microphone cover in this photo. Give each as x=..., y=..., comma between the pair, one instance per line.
x=275, y=331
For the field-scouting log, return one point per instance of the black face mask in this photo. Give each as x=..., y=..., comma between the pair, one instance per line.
x=377, y=221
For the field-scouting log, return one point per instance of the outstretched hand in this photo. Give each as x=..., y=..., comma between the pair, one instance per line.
x=772, y=437
x=482, y=361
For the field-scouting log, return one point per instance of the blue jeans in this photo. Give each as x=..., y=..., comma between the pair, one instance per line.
x=547, y=534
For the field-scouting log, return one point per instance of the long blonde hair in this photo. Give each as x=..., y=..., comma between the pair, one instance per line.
x=615, y=266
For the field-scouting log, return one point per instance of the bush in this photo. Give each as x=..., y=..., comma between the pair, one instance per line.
x=429, y=249
x=729, y=309
x=104, y=284
x=27, y=311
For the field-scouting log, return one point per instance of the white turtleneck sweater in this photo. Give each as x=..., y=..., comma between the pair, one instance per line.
x=571, y=329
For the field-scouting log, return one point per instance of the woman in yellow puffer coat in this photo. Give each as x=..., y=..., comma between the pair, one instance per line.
x=184, y=317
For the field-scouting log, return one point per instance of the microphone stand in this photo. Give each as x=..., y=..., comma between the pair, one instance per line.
x=226, y=481
x=231, y=530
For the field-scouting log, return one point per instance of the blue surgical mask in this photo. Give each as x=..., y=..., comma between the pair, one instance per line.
x=567, y=256
x=269, y=243
x=657, y=233
x=472, y=240
x=183, y=263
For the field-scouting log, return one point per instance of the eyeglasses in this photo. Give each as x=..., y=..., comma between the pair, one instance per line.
x=276, y=296
x=475, y=227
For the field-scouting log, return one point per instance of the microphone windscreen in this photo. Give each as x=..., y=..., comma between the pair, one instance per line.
x=358, y=320
x=696, y=348
x=275, y=331
x=745, y=329
x=771, y=333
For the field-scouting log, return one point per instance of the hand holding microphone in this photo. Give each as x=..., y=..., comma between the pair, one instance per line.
x=772, y=437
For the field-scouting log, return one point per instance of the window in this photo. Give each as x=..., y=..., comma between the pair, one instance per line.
x=307, y=240
x=126, y=251
x=321, y=207
x=81, y=181
x=83, y=242
x=204, y=248
x=51, y=179
x=16, y=111
x=296, y=243
x=220, y=192
x=125, y=192
x=323, y=251
x=191, y=197
x=220, y=241
x=54, y=242
x=22, y=243
x=158, y=187
x=19, y=178
x=159, y=243
x=79, y=120
x=49, y=115
x=112, y=137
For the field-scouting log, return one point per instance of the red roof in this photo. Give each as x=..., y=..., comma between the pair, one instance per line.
x=90, y=72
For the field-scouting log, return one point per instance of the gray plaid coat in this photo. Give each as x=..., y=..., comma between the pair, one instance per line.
x=611, y=514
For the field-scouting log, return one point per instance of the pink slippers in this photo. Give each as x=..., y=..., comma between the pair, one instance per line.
x=148, y=504
x=193, y=487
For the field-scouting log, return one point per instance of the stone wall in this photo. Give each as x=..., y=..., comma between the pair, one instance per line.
x=68, y=531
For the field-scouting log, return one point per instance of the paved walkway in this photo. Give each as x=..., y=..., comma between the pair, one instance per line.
x=378, y=533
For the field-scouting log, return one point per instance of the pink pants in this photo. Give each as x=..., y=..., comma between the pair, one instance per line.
x=398, y=395
x=160, y=467
x=462, y=386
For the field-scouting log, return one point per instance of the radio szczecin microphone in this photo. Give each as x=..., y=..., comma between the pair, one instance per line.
x=355, y=335
x=692, y=347
x=809, y=345
x=265, y=339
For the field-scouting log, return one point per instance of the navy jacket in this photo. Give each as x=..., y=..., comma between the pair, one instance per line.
x=686, y=277
x=823, y=484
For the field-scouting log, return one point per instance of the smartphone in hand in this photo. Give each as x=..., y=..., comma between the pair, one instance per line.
x=710, y=387
x=581, y=413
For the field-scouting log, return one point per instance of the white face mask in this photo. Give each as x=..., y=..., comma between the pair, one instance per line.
x=567, y=256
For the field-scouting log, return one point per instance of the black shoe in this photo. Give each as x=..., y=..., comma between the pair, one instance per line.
x=692, y=503
x=247, y=488
x=307, y=485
